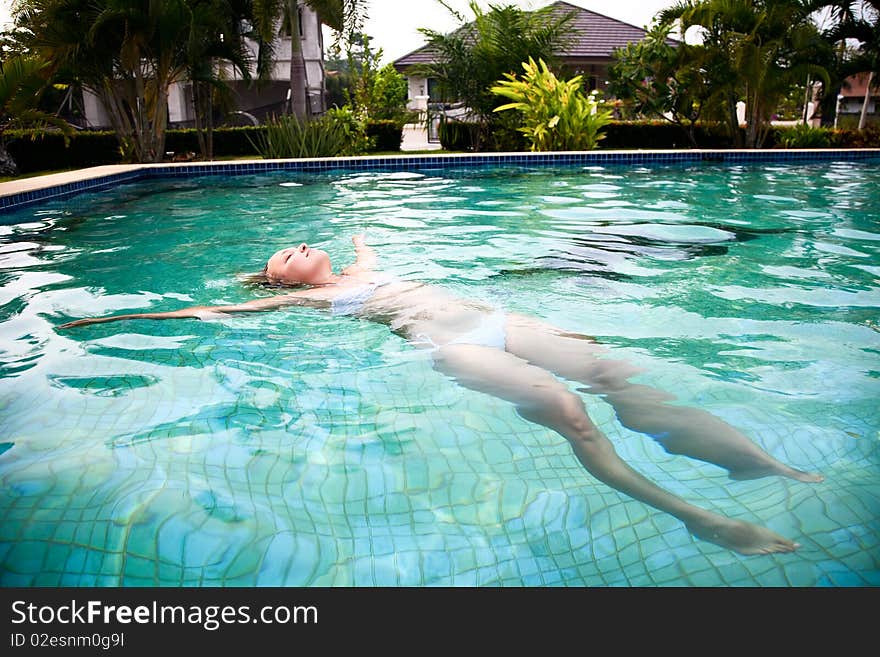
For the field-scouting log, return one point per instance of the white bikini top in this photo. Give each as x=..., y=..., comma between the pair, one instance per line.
x=352, y=301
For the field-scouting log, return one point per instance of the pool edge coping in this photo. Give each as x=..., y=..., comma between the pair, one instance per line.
x=18, y=194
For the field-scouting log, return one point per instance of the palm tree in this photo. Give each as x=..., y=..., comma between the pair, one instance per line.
x=128, y=53
x=22, y=81
x=661, y=80
x=859, y=21
x=215, y=35
x=343, y=16
x=754, y=50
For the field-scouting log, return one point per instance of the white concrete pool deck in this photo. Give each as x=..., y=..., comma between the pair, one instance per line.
x=35, y=183
x=415, y=138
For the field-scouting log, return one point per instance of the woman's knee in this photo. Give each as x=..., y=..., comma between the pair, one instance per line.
x=611, y=375
x=565, y=413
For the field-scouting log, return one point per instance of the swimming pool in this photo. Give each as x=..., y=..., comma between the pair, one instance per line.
x=297, y=448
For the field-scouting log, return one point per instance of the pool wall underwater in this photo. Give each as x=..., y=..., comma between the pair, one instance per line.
x=32, y=191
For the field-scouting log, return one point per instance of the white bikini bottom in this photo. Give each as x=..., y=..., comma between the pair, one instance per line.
x=490, y=332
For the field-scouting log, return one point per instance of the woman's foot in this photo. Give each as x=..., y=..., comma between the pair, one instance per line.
x=742, y=537
x=776, y=469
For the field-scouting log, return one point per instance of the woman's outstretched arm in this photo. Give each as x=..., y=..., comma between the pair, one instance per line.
x=198, y=312
x=366, y=256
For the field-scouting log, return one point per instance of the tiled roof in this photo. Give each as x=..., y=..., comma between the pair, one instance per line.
x=595, y=36
x=855, y=85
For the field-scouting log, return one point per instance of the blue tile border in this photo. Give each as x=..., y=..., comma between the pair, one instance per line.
x=12, y=202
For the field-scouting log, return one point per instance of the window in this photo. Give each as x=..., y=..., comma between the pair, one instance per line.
x=433, y=91
x=299, y=20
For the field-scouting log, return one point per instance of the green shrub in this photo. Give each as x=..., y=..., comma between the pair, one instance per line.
x=341, y=131
x=867, y=138
x=228, y=142
x=556, y=115
x=504, y=135
x=803, y=136
x=505, y=139
x=652, y=135
x=41, y=153
x=287, y=136
x=387, y=134
x=458, y=135
x=353, y=127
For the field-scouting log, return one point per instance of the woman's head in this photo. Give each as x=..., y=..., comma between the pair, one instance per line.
x=299, y=264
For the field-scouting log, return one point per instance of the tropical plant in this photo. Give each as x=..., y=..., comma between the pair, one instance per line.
x=458, y=135
x=339, y=132
x=127, y=53
x=557, y=115
x=470, y=60
x=23, y=79
x=859, y=22
x=352, y=125
x=804, y=136
x=751, y=50
x=289, y=136
x=378, y=91
x=661, y=79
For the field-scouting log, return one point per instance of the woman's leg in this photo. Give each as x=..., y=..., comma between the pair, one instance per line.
x=679, y=429
x=541, y=398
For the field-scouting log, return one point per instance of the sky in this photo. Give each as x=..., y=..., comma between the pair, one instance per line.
x=394, y=24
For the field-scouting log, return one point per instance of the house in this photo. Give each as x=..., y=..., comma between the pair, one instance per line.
x=852, y=97
x=595, y=37
x=253, y=103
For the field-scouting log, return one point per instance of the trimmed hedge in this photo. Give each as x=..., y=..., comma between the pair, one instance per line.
x=652, y=135
x=87, y=149
x=228, y=142
x=93, y=148
x=388, y=134
x=458, y=135
x=90, y=148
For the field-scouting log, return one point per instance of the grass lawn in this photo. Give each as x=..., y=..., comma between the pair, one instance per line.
x=32, y=174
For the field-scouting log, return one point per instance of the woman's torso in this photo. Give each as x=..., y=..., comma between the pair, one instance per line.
x=421, y=313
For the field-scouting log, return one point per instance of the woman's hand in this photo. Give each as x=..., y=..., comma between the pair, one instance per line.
x=366, y=257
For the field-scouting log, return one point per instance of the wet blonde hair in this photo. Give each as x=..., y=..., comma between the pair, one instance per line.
x=261, y=279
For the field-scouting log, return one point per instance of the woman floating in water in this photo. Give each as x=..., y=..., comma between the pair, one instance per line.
x=518, y=358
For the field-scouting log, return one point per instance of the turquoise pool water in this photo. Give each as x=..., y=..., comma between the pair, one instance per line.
x=297, y=448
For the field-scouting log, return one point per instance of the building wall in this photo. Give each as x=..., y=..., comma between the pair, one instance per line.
x=417, y=94
x=96, y=115
x=853, y=105
x=259, y=96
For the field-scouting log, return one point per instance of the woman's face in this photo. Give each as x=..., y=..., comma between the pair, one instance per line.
x=299, y=264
